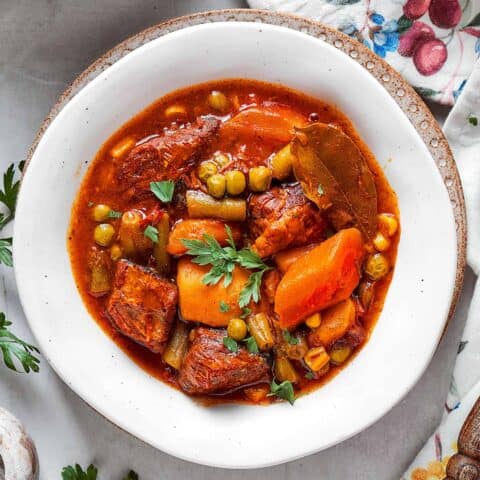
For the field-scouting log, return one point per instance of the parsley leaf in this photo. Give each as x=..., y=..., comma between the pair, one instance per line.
x=223, y=260
x=77, y=473
x=152, y=233
x=251, y=344
x=283, y=390
x=231, y=344
x=472, y=120
x=163, y=190
x=290, y=338
x=309, y=376
x=8, y=196
x=6, y=252
x=224, y=307
x=12, y=347
x=245, y=312
x=131, y=475
x=114, y=214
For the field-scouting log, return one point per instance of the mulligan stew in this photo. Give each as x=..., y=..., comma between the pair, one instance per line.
x=236, y=239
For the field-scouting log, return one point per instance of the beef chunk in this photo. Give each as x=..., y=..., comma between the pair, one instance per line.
x=169, y=156
x=283, y=217
x=210, y=367
x=142, y=305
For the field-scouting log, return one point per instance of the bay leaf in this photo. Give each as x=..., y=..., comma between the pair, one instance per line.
x=335, y=176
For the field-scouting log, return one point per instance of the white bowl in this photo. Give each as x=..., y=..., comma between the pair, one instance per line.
x=416, y=306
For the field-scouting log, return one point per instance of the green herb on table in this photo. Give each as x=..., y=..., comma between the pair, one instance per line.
x=223, y=261
x=251, y=344
x=289, y=338
x=472, y=120
x=283, y=390
x=231, y=344
x=77, y=473
x=224, y=307
x=6, y=252
x=163, y=190
x=152, y=233
x=12, y=347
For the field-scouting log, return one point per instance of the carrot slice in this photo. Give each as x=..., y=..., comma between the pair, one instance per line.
x=201, y=303
x=336, y=322
x=272, y=122
x=194, y=230
x=322, y=277
x=286, y=258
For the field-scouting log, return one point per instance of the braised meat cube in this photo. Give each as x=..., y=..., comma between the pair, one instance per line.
x=283, y=217
x=142, y=305
x=167, y=157
x=210, y=367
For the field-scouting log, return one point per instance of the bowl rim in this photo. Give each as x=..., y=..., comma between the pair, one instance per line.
x=402, y=93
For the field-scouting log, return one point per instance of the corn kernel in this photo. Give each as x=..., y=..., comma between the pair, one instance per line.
x=316, y=358
x=103, y=234
x=387, y=224
x=100, y=212
x=175, y=111
x=381, y=243
x=221, y=159
x=314, y=321
x=122, y=147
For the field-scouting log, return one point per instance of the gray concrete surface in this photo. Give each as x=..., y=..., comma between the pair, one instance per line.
x=44, y=44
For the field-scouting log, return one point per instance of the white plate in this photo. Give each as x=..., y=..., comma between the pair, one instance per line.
x=235, y=436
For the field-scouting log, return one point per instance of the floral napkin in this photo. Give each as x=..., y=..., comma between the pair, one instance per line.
x=432, y=43
x=435, y=44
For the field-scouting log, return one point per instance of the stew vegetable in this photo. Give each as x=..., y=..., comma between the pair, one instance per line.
x=236, y=239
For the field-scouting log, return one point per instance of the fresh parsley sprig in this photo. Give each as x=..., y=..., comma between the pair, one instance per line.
x=163, y=190
x=232, y=345
x=289, y=338
x=77, y=473
x=12, y=347
x=223, y=261
x=283, y=390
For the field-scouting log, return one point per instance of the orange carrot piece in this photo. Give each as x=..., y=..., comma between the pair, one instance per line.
x=286, y=258
x=201, y=303
x=194, y=230
x=273, y=122
x=336, y=322
x=322, y=277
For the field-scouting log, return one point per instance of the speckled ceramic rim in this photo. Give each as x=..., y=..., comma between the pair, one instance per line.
x=403, y=94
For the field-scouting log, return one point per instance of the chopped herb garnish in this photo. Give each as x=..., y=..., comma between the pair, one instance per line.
x=251, y=344
x=320, y=189
x=245, y=312
x=309, y=376
x=283, y=390
x=472, y=120
x=290, y=338
x=231, y=344
x=6, y=252
x=114, y=214
x=152, y=233
x=223, y=260
x=224, y=307
x=12, y=347
x=163, y=190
